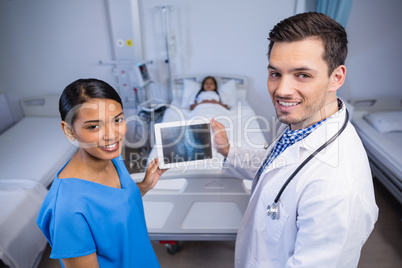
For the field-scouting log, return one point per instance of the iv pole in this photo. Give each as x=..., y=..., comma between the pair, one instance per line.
x=165, y=23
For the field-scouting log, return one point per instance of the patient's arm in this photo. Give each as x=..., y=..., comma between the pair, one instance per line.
x=192, y=106
x=208, y=101
x=88, y=261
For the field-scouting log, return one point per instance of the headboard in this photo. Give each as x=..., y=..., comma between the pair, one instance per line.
x=241, y=82
x=377, y=104
x=41, y=106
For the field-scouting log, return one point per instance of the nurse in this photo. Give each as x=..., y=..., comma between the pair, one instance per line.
x=326, y=212
x=93, y=215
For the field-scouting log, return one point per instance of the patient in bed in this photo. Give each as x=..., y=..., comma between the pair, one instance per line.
x=207, y=94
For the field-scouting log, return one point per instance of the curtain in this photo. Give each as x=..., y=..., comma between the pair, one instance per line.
x=339, y=10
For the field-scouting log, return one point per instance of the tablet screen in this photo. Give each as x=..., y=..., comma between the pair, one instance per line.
x=183, y=143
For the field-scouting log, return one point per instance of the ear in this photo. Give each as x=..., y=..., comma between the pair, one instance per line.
x=337, y=78
x=68, y=130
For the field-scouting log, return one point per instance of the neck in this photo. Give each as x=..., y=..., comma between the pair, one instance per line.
x=90, y=162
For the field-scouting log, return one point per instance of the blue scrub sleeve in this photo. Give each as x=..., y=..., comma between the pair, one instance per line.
x=72, y=236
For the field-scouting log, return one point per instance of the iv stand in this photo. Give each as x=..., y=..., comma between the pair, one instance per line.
x=165, y=23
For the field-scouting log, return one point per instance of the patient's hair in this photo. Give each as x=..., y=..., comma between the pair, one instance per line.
x=79, y=92
x=202, y=87
x=314, y=25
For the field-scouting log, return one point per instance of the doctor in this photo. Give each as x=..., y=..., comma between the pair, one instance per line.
x=326, y=212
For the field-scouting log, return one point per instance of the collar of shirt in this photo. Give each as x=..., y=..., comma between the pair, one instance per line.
x=290, y=137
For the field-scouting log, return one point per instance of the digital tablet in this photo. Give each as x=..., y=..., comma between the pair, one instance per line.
x=183, y=143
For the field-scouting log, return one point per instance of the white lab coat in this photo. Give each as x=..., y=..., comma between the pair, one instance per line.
x=326, y=213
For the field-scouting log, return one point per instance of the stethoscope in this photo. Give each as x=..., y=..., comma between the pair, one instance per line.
x=272, y=210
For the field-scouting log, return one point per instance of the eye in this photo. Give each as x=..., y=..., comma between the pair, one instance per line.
x=304, y=76
x=92, y=127
x=274, y=74
x=119, y=120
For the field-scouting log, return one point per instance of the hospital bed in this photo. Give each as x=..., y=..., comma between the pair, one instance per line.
x=202, y=202
x=378, y=122
x=32, y=151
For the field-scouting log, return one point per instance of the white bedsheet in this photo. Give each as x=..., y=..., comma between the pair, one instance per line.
x=34, y=149
x=21, y=241
x=385, y=146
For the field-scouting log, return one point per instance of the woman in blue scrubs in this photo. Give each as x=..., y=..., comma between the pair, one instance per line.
x=93, y=215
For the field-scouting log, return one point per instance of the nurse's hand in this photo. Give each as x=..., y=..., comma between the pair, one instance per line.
x=221, y=141
x=152, y=176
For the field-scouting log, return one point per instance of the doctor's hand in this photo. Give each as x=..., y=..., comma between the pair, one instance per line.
x=152, y=176
x=221, y=141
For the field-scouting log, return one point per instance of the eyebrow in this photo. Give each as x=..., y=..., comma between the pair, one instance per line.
x=97, y=121
x=302, y=68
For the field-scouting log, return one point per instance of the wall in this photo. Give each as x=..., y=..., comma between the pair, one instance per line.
x=46, y=44
x=374, y=62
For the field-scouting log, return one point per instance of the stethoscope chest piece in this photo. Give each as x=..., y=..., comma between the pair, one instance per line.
x=272, y=211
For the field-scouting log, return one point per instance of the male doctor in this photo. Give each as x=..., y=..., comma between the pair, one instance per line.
x=326, y=212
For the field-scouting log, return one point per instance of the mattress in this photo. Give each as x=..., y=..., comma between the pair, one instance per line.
x=384, y=151
x=34, y=149
x=21, y=241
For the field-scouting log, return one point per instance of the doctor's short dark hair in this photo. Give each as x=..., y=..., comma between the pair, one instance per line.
x=81, y=91
x=310, y=25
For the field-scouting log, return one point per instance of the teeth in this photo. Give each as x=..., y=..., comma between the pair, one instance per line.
x=287, y=104
x=111, y=145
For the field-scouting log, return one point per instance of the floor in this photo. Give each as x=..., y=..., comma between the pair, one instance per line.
x=383, y=248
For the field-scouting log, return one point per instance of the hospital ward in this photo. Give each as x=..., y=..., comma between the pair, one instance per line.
x=214, y=133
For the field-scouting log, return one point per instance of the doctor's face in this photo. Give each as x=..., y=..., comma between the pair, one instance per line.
x=100, y=128
x=298, y=82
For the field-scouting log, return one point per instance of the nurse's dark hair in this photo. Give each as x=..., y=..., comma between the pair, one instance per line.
x=81, y=91
x=313, y=25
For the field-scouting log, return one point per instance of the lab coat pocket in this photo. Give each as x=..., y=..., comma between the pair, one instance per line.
x=275, y=227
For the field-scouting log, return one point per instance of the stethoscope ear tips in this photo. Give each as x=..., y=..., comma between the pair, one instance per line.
x=272, y=211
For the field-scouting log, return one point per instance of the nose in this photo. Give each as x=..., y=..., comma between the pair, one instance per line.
x=111, y=132
x=284, y=87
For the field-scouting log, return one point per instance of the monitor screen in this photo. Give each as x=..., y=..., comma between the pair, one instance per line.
x=143, y=72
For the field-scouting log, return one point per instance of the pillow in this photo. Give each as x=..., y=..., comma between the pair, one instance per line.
x=228, y=92
x=190, y=88
x=385, y=121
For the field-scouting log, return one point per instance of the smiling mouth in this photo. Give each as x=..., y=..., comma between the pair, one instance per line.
x=110, y=147
x=288, y=104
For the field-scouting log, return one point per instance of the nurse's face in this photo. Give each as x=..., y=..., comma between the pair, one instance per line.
x=100, y=128
x=299, y=85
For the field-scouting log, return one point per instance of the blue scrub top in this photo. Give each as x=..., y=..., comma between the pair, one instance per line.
x=80, y=217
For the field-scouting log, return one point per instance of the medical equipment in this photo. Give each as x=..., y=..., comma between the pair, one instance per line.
x=381, y=134
x=273, y=209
